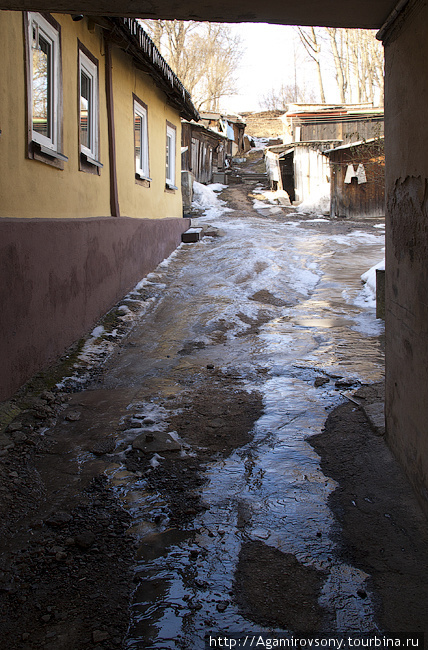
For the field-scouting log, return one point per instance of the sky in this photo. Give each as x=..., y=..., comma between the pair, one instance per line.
x=268, y=62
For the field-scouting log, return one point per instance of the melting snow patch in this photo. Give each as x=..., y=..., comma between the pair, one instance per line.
x=97, y=332
x=368, y=294
x=205, y=198
x=154, y=462
x=318, y=201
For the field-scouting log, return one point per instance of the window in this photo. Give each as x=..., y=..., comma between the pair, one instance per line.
x=141, y=141
x=44, y=77
x=89, y=107
x=170, y=156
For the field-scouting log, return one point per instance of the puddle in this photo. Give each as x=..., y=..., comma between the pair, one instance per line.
x=274, y=304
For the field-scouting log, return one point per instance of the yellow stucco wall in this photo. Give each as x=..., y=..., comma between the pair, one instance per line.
x=134, y=199
x=29, y=188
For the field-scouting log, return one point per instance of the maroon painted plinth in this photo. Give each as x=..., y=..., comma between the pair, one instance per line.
x=59, y=276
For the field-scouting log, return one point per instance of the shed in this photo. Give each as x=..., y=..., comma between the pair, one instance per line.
x=203, y=151
x=357, y=173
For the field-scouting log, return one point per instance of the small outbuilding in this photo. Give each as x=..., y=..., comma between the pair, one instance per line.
x=357, y=179
x=203, y=151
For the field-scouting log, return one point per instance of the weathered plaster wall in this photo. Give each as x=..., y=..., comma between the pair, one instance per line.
x=406, y=99
x=30, y=188
x=58, y=276
x=153, y=201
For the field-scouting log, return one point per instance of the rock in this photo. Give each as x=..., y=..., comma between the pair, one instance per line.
x=85, y=539
x=60, y=556
x=59, y=519
x=48, y=396
x=103, y=447
x=320, y=381
x=194, y=604
x=98, y=636
x=345, y=383
x=155, y=441
x=375, y=413
x=216, y=423
x=72, y=416
x=14, y=426
x=4, y=440
x=19, y=436
x=222, y=605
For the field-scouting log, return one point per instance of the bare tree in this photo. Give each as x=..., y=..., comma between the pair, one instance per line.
x=310, y=42
x=278, y=98
x=358, y=61
x=339, y=62
x=204, y=56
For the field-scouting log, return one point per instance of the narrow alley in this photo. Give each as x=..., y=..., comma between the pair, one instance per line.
x=207, y=457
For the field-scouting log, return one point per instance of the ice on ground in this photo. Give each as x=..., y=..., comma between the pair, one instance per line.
x=318, y=202
x=97, y=332
x=359, y=236
x=260, y=205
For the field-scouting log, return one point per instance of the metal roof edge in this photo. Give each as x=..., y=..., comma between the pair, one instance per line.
x=142, y=49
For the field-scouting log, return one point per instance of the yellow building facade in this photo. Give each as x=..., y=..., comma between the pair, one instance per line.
x=90, y=119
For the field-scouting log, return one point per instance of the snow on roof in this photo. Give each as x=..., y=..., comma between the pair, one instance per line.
x=354, y=144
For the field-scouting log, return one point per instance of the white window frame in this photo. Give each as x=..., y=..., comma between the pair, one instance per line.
x=142, y=169
x=51, y=35
x=91, y=71
x=171, y=149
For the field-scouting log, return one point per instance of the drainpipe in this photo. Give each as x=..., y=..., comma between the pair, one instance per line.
x=114, y=196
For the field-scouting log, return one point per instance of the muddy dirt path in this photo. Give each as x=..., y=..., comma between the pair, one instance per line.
x=170, y=491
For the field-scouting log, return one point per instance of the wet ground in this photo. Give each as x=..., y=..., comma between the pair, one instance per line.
x=217, y=459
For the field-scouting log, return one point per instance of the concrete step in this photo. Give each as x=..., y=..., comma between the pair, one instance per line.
x=191, y=235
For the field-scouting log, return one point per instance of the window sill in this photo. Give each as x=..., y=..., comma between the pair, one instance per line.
x=36, y=151
x=89, y=164
x=169, y=187
x=143, y=181
x=142, y=177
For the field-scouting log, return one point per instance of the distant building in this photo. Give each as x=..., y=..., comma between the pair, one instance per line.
x=299, y=166
x=232, y=126
x=203, y=151
x=321, y=122
x=357, y=179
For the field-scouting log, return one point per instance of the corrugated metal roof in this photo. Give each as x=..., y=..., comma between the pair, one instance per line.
x=141, y=47
x=354, y=144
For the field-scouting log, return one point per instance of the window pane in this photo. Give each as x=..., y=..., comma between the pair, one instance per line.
x=168, y=156
x=138, y=125
x=42, y=61
x=85, y=110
